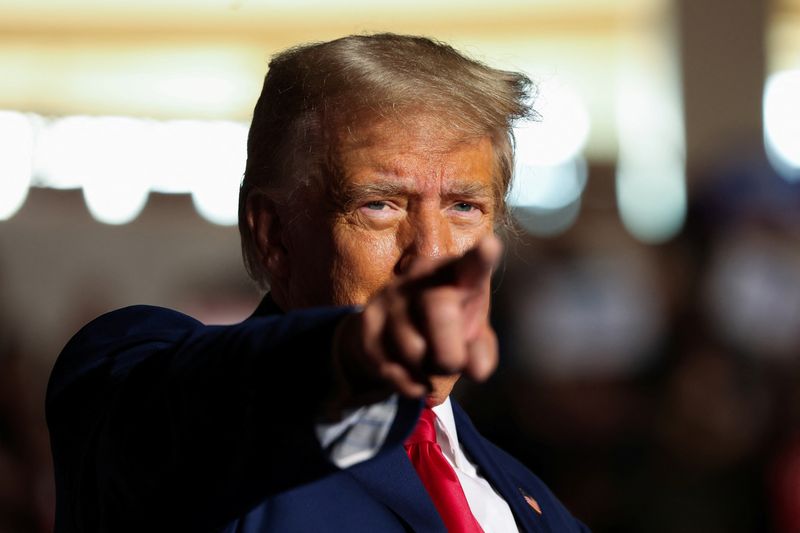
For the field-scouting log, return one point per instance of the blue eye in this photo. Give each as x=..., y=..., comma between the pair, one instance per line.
x=464, y=207
x=376, y=206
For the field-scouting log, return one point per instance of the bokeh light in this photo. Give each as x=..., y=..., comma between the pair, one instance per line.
x=753, y=294
x=57, y=164
x=115, y=202
x=560, y=133
x=117, y=161
x=548, y=187
x=652, y=198
x=782, y=122
x=220, y=153
x=546, y=200
x=651, y=176
x=599, y=316
x=549, y=169
x=16, y=160
x=108, y=158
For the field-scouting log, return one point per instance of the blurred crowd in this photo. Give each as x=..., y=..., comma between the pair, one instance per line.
x=657, y=387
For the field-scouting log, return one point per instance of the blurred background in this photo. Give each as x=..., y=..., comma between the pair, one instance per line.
x=649, y=304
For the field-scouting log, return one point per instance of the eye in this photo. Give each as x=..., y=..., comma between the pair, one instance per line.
x=463, y=207
x=375, y=206
x=380, y=211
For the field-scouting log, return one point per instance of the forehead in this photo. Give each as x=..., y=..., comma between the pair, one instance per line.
x=420, y=152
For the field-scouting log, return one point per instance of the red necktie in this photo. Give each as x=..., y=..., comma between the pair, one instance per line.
x=439, y=477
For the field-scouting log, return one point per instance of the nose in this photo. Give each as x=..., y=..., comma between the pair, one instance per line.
x=428, y=234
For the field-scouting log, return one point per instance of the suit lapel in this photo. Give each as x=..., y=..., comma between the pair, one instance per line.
x=391, y=479
x=527, y=519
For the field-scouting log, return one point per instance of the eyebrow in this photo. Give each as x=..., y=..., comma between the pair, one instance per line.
x=353, y=193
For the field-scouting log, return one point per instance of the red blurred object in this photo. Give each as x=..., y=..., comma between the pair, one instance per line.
x=785, y=488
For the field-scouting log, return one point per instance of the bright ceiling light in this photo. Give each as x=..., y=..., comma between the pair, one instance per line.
x=56, y=164
x=782, y=122
x=174, y=153
x=116, y=170
x=219, y=156
x=549, y=171
x=16, y=161
x=107, y=157
x=562, y=131
x=118, y=161
x=115, y=202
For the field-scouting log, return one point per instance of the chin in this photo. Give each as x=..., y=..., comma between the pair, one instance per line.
x=432, y=400
x=442, y=387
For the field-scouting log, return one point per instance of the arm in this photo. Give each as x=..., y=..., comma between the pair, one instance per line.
x=154, y=415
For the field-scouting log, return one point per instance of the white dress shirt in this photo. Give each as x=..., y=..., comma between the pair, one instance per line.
x=361, y=433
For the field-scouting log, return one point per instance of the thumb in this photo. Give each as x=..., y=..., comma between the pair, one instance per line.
x=482, y=355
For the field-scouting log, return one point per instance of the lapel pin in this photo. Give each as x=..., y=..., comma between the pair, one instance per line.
x=531, y=501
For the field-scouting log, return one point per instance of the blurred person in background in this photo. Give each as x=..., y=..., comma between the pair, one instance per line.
x=375, y=182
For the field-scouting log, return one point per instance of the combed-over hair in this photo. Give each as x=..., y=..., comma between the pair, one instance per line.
x=314, y=92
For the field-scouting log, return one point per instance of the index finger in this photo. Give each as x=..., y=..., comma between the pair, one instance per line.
x=474, y=267
x=470, y=270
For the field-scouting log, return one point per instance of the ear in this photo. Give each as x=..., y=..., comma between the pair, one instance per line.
x=267, y=230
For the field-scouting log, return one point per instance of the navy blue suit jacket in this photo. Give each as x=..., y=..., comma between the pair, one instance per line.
x=159, y=423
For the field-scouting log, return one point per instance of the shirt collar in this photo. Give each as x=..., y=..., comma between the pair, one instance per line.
x=446, y=434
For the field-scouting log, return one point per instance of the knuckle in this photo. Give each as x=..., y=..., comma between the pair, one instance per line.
x=386, y=372
x=451, y=360
x=415, y=346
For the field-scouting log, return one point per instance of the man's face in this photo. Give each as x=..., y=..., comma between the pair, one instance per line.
x=404, y=194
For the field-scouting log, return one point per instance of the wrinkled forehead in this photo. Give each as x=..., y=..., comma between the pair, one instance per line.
x=422, y=135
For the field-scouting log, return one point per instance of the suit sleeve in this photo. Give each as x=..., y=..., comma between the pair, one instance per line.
x=158, y=419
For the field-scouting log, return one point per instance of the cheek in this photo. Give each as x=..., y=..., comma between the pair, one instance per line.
x=466, y=240
x=364, y=263
x=311, y=253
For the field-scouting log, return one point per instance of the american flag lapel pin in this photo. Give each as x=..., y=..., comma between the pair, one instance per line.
x=531, y=501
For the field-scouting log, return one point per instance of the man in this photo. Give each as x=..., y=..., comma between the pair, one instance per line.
x=377, y=168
